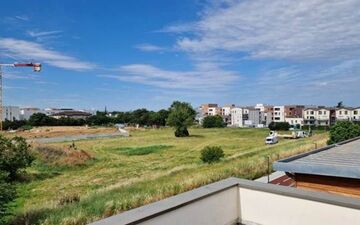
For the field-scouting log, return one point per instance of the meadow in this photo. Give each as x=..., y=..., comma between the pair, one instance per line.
x=126, y=172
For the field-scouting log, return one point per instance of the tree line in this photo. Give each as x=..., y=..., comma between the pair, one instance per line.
x=142, y=117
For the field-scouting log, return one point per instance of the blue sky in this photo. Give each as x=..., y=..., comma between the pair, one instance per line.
x=132, y=54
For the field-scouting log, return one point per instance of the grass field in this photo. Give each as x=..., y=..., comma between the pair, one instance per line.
x=127, y=172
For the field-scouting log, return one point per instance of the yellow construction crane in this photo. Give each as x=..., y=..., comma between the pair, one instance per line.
x=36, y=67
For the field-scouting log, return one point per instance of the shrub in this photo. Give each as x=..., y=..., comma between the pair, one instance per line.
x=342, y=131
x=14, y=155
x=279, y=126
x=7, y=194
x=213, y=121
x=211, y=154
x=181, y=132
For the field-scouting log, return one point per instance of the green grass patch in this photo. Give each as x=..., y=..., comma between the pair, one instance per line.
x=144, y=150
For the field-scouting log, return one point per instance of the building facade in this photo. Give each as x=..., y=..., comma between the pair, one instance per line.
x=279, y=113
x=25, y=113
x=11, y=113
x=237, y=117
x=317, y=116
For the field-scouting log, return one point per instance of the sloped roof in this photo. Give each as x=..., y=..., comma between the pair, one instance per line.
x=339, y=160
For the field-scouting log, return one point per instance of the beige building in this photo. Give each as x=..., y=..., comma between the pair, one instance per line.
x=344, y=113
x=317, y=116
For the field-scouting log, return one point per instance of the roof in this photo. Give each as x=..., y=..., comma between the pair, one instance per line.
x=338, y=160
x=71, y=113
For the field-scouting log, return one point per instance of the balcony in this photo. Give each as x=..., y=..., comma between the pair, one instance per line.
x=237, y=201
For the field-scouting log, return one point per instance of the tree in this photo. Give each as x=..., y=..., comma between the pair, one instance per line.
x=213, y=121
x=14, y=155
x=40, y=119
x=180, y=117
x=340, y=104
x=279, y=126
x=342, y=131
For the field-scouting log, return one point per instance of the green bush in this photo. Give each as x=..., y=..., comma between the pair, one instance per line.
x=211, y=154
x=213, y=122
x=7, y=194
x=14, y=155
x=181, y=132
x=342, y=131
x=279, y=126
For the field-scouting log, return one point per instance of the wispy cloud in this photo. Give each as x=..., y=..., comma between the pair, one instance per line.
x=279, y=29
x=150, y=48
x=27, y=50
x=204, y=77
x=42, y=33
x=22, y=17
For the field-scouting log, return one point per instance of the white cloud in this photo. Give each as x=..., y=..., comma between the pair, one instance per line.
x=22, y=17
x=150, y=48
x=204, y=77
x=27, y=50
x=43, y=33
x=280, y=29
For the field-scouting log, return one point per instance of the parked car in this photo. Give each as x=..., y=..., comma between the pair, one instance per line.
x=271, y=140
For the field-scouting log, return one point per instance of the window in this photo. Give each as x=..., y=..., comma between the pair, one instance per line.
x=355, y=112
x=312, y=112
x=340, y=112
x=320, y=112
x=346, y=112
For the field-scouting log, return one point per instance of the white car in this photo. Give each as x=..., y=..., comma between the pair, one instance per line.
x=271, y=140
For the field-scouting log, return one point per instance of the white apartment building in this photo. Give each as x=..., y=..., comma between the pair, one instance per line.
x=213, y=111
x=295, y=121
x=316, y=116
x=11, y=113
x=25, y=113
x=226, y=110
x=356, y=114
x=279, y=113
x=344, y=113
x=237, y=117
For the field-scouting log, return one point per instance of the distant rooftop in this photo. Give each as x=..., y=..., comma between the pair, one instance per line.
x=339, y=160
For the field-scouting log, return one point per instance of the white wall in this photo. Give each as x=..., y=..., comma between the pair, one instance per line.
x=11, y=113
x=279, y=113
x=343, y=114
x=294, y=121
x=237, y=117
x=272, y=209
x=218, y=209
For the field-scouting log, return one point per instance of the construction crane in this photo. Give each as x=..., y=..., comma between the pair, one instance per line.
x=36, y=67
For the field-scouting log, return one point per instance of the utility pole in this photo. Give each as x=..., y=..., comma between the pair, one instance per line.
x=36, y=68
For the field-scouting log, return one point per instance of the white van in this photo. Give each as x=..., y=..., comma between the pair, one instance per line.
x=271, y=140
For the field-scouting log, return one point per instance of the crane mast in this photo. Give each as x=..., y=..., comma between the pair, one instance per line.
x=36, y=68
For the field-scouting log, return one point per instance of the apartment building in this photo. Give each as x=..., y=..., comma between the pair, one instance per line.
x=320, y=116
x=356, y=114
x=226, y=110
x=11, y=113
x=210, y=109
x=237, y=117
x=252, y=117
x=294, y=121
x=344, y=113
x=279, y=113
x=293, y=111
x=26, y=113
